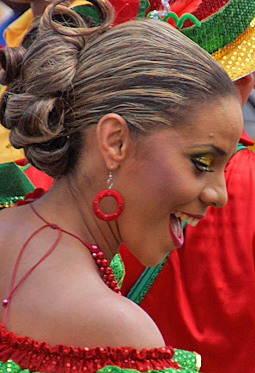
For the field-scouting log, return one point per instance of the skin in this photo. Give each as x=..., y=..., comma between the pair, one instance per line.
x=75, y=307
x=17, y=7
x=244, y=87
x=37, y=6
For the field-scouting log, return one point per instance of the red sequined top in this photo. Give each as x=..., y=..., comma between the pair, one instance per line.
x=35, y=356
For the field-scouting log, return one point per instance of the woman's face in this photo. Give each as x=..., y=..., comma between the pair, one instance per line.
x=174, y=175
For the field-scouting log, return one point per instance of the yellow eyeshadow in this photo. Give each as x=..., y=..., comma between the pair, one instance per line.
x=206, y=159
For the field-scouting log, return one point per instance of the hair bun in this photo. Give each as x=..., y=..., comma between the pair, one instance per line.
x=11, y=61
x=35, y=120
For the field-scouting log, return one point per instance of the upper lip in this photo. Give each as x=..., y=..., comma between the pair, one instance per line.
x=196, y=216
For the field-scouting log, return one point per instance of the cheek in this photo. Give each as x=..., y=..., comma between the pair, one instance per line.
x=165, y=184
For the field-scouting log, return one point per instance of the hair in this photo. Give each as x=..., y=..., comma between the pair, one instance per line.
x=69, y=72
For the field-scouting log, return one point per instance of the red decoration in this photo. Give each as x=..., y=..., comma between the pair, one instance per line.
x=107, y=193
x=204, y=10
x=30, y=197
x=125, y=10
x=183, y=6
x=104, y=268
x=155, y=5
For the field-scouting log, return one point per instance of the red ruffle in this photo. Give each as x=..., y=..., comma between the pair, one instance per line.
x=35, y=356
x=31, y=197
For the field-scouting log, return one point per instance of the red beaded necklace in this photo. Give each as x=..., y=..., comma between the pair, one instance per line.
x=97, y=254
x=104, y=267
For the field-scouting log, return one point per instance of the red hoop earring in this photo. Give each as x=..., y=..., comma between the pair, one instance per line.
x=108, y=193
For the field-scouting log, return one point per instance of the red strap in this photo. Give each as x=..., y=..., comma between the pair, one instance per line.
x=47, y=224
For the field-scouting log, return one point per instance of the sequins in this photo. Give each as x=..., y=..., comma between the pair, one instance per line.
x=11, y=367
x=229, y=35
x=224, y=26
x=187, y=359
x=239, y=60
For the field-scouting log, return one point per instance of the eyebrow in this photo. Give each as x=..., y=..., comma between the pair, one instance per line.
x=216, y=148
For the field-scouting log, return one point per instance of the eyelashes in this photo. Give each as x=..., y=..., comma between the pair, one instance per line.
x=203, y=162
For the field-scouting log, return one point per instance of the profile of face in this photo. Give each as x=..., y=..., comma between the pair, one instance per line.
x=174, y=175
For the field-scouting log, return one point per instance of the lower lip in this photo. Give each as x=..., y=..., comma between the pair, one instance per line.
x=177, y=240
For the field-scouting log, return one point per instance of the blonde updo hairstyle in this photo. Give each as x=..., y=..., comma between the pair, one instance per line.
x=69, y=72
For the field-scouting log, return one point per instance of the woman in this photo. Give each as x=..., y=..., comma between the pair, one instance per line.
x=109, y=113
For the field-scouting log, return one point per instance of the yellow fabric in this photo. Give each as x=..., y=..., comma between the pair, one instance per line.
x=14, y=34
x=16, y=30
x=237, y=57
x=7, y=152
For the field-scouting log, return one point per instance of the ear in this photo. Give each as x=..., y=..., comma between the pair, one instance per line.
x=113, y=138
x=244, y=87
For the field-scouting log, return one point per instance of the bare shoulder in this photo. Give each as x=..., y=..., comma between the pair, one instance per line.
x=8, y=226
x=75, y=307
x=117, y=321
x=13, y=224
x=13, y=215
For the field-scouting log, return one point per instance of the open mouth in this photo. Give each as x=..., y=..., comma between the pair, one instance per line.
x=176, y=231
x=189, y=219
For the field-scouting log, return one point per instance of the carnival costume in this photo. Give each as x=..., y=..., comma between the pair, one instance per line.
x=23, y=354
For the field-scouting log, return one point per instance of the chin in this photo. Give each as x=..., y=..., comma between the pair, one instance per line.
x=152, y=261
x=147, y=254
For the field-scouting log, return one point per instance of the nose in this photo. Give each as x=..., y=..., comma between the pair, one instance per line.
x=215, y=192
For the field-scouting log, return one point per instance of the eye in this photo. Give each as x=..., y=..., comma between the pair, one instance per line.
x=203, y=162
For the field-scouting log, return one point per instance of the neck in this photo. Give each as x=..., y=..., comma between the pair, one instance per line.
x=38, y=7
x=62, y=206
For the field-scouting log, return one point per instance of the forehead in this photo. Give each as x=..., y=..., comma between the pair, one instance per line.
x=219, y=120
x=218, y=123
x=214, y=125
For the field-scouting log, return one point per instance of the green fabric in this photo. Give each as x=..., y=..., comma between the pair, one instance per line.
x=88, y=10
x=240, y=146
x=24, y=168
x=11, y=367
x=14, y=184
x=223, y=26
x=118, y=269
x=144, y=5
x=188, y=361
x=143, y=284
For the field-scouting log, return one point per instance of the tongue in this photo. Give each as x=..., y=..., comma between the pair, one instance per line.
x=175, y=228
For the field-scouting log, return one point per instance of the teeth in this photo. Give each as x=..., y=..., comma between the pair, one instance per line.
x=178, y=214
x=188, y=219
x=184, y=217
